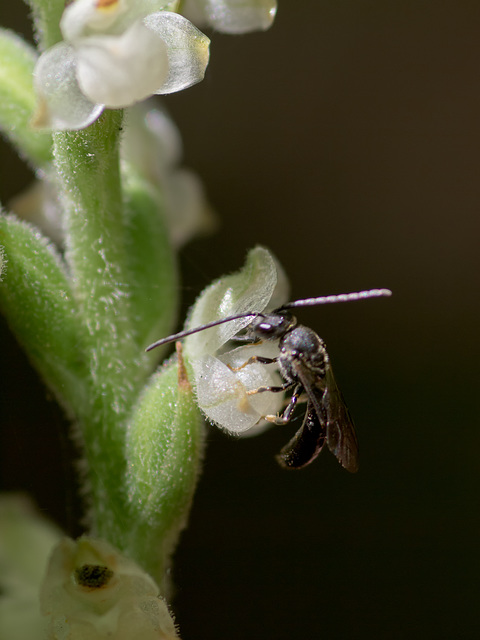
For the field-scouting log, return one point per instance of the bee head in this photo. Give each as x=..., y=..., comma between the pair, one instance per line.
x=270, y=326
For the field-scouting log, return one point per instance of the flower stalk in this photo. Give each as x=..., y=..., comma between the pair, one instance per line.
x=86, y=301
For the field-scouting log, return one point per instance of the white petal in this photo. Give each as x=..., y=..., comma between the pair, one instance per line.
x=187, y=50
x=281, y=292
x=166, y=135
x=121, y=70
x=62, y=105
x=222, y=393
x=152, y=142
x=84, y=17
x=26, y=541
x=232, y=16
x=100, y=17
x=188, y=210
x=248, y=290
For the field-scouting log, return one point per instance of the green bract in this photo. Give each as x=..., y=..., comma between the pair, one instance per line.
x=37, y=299
x=17, y=99
x=164, y=452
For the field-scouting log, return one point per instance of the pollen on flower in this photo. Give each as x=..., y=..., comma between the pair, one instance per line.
x=242, y=393
x=107, y=4
x=183, y=381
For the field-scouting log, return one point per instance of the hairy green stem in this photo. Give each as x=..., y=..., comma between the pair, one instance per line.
x=46, y=20
x=88, y=167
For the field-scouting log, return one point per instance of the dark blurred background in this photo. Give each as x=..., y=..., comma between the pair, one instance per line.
x=347, y=140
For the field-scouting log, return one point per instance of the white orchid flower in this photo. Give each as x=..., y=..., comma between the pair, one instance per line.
x=222, y=394
x=91, y=590
x=26, y=541
x=231, y=16
x=115, y=53
x=152, y=146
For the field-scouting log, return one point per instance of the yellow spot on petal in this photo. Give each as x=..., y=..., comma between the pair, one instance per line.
x=243, y=404
x=41, y=117
x=183, y=381
x=107, y=5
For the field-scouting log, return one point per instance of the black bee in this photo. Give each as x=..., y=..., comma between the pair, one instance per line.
x=304, y=365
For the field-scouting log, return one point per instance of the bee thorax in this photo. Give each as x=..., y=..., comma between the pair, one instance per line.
x=302, y=345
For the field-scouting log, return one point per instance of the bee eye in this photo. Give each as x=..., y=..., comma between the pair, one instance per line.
x=265, y=327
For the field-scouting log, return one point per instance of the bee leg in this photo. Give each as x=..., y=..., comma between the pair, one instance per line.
x=251, y=360
x=287, y=414
x=285, y=387
x=247, y=340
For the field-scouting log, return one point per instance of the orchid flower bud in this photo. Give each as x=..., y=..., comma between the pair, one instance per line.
x=232, y=16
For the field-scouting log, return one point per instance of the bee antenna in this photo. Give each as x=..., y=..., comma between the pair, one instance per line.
x=342, y=297
x=189, y=332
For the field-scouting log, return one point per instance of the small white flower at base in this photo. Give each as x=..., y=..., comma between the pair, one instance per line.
x=115, y=54
x=91, y=591
x=231, y=16
x=26, y=540
x=222, y=394
x=151, y=147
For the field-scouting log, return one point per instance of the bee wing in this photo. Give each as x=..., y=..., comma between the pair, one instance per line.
x=306, y=444
x=341, y=436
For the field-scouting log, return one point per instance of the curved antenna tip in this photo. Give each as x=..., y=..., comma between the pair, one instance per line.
x=340, y=297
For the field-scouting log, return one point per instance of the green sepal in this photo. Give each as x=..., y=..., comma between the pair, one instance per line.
x=152, y=261
x=36, y=299
x=164, y=452
x=18, y=100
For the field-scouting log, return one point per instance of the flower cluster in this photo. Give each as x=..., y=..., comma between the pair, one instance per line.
x=151, y=147
x=116, y=53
